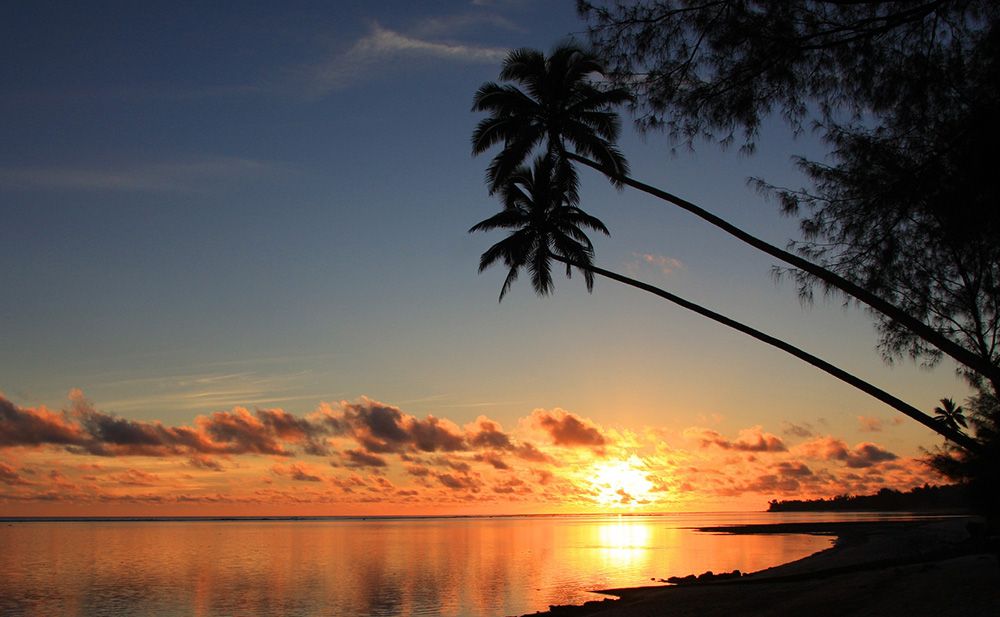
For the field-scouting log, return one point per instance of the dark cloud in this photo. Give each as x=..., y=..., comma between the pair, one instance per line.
x=567, y=429
x=493, y=459
x=451, y=463
x=418, y=471
x=797, y=470
x=458, y=483
x=299, y=472
x=861, y=456
x=204, y=462
x=85, y=430
x=383, y=429
x=433, y=435
x=770, y=483
x=486, y=433
x=797, y=430
x=243, y=432
x=529, y=452
x=360, y=458
x=35, y=427
x=297, y=430
x=750, y=440
x=868, y=454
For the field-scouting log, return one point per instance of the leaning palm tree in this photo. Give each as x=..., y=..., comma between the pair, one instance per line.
x=541, y=212
x=561, y=111
x=540, y=206
x=950, y=415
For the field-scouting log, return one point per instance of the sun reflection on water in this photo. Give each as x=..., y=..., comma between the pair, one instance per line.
x=623, y=540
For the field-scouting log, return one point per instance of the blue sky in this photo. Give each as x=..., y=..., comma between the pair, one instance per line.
x=202, y=208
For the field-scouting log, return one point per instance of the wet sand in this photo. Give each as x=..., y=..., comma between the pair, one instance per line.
x=914, y=568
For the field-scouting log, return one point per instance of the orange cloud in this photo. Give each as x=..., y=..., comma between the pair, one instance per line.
x=567, y=429
x=753, y=439
x=864, y=454
x=371, y=457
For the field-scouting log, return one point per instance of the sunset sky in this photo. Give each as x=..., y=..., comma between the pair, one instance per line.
x=237, y=280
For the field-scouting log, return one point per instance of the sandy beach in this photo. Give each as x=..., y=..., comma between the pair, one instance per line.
x=913, y=568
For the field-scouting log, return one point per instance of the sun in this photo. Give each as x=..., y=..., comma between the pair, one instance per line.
x=622, y=483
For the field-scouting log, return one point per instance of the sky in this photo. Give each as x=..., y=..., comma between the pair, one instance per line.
x=237, y=280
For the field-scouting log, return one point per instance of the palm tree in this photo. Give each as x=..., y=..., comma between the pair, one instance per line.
x=950, y=415
x=540, y=207
x=540, y=212
x=560, y=106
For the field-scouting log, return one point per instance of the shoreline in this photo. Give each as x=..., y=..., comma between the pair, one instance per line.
x=913, y=567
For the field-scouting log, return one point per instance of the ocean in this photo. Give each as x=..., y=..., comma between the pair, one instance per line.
x=456, y=567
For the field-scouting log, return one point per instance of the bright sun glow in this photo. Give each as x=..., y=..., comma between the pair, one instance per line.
x=622, y=483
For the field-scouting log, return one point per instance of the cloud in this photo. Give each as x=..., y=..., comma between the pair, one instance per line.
x=868, y=424
x=797, y=430
x=750, y=440
x=492, y=459
x=298, y=471
x=382, y=49
x=381, y=428
x=485, y=433
x=868, y=454
x=200, y=461
x=136, y=477
x=459, y=483
x=794, y=469
x=437, y=462
x=85, y=430
x=865, y=454
x=567, y=429
x=183, y=176
x=9, y=475
x=661, y=263
x=359, y=458
x=34, y=427
x=530, y=452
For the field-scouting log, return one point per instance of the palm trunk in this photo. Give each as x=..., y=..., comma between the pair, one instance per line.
x=957, y=437
x=956, y=351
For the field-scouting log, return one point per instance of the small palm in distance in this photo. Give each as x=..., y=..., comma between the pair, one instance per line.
x=950, y=415
x=540, y=210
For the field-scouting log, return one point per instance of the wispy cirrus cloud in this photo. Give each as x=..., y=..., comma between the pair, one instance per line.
x=192, y=175
x=383, y=48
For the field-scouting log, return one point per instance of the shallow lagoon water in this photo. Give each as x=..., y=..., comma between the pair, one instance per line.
x=477, y=566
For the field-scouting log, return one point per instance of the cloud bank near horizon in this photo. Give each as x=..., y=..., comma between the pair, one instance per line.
x=370, y=454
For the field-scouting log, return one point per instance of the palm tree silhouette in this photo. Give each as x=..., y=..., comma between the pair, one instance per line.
x=560, y=105
x=950, y=415
x=540, y=207
x=540, y=212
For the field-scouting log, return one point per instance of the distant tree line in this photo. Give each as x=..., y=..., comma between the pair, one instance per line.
x=952, y=497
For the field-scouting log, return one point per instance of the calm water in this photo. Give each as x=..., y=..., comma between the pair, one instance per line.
x=444, y=566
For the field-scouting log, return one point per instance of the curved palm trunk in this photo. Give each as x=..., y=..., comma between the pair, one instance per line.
x=956, y=351
x=958, y=437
